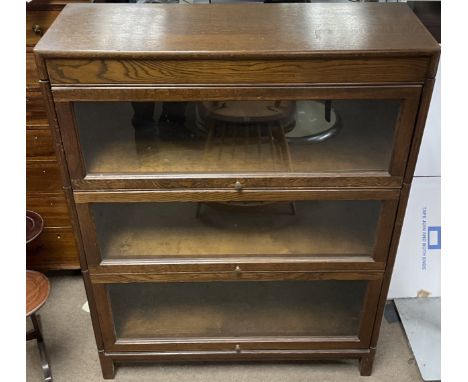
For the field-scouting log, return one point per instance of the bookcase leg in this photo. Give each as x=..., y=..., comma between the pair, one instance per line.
x=107, y=366
x=366, y=363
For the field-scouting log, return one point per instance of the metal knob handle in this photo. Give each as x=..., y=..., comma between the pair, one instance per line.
x=37, y=29
x=238, y=185
x=238, y=349
x=237, y=269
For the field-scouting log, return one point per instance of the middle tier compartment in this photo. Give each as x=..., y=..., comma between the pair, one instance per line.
x=142, y=232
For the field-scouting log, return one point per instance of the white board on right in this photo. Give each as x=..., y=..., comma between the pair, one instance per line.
x=418, y=261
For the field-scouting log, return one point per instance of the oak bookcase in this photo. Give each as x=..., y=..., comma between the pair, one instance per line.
x=238, y=173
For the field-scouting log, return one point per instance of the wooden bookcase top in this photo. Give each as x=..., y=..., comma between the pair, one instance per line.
x=236, y=30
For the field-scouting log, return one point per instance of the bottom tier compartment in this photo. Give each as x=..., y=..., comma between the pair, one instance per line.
x=233, y=309
x=302, y=314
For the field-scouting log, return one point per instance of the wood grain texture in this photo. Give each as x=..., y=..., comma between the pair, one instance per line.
x=120, y=278
x=207, y=72
x=32, y=76
x=224, y=92
x=226, y=183
x=43, y=176
x=54, y=249
x=40, y=144
x=36, y=115
x=220, y=195
x=37, y=291
x=228, y=30
x=52, y=207
x=232, y=269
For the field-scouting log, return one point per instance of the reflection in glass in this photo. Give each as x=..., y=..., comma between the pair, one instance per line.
x=237, y=136
x=249, y=229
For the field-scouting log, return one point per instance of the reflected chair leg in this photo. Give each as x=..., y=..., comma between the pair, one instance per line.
x=107, y=365
x=293, y=208
x=42, y=350
x=199, y=207
x=366, y=363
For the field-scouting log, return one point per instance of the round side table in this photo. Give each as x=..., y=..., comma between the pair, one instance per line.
x=37, y=292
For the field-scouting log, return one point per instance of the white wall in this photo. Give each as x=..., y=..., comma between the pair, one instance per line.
x=417, y=266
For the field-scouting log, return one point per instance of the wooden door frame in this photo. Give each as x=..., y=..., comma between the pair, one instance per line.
x=392, y=178
x=216, y=345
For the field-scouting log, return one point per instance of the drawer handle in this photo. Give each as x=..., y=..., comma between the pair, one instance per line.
x=37, y=29
x=237, y=269
x=238, y=349
x=238, y=185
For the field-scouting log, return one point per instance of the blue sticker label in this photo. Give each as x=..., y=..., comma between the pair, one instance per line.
x=434, y=237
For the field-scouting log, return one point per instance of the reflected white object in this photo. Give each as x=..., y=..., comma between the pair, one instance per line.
x=311, y=125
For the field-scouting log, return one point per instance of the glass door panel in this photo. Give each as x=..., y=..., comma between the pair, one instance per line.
x=171, y=231
x=203, y=137
x=237, y=309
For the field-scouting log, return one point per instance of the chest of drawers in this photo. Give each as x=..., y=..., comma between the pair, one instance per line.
x=239, y=173
x=55, y=248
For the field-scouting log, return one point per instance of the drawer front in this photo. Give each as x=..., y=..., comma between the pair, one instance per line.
x=32, y=76
x=128, y=71
x=54, y=248
x=53, y=209
x=305, y=231
x=43, y=176
x=37, y=23
x=36, y=114
x=40, y=144
x=323, y=311
x=307, y=137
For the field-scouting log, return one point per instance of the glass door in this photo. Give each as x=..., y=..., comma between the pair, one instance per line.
x=303, y=313
x=323, y=230
x=312, y=137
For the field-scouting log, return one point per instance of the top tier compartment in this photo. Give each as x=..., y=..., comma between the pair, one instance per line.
x=237, y=44
x=249, y=96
